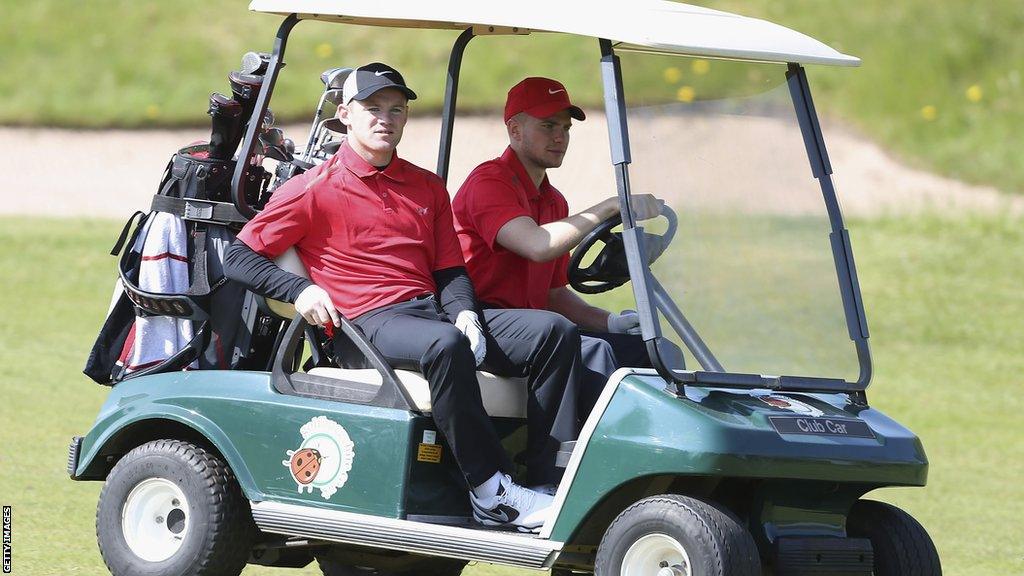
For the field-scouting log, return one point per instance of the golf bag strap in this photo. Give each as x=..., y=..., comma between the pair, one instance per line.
x=198, y=210
x=123, y=236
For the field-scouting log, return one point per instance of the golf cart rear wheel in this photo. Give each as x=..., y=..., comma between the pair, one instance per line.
x=673, y=535
x=171, y=508
x=429, y=567
x=901, y=545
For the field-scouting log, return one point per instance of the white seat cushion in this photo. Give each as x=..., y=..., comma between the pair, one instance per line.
x=503, y=397
x=289, y=261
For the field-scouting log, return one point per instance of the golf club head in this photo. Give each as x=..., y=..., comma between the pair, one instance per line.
x=255, y=63
x=334, y=124
x=221, y=105
x=333, y=96
x=289, y=146
x=273, y=137
x=245, y=87
x=334, y=78
x=226, y=126
x=278, y=153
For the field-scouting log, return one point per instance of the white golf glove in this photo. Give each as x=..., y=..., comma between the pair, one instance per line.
x=469, y=324
x=626, y=322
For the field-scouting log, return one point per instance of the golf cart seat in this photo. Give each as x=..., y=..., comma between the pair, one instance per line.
x=502, y=397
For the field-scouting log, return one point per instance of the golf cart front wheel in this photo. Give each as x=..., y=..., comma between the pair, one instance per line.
x=900, y=544
x=673, y=535
x=171, y=508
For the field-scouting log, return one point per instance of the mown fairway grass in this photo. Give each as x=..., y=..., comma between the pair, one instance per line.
x=943, y=299
x=941, y=82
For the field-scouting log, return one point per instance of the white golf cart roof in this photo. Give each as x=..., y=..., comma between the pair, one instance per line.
x=645, y=25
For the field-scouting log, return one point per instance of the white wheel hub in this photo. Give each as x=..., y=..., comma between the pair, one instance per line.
x=154, y=519
x=656, y=555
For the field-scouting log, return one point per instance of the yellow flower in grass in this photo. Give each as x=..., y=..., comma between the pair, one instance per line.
x=700, y=67
x=152, y=111
x=685, y=94
x=672, y=75
x=929, y=112
x=324, y=50
x=974, y=93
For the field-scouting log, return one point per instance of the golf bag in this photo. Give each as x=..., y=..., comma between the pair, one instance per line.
x=173, y=308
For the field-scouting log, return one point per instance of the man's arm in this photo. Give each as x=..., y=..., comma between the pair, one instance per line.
x=258, y=273
x=569, y=304
x=455, y=291
x=541, y=243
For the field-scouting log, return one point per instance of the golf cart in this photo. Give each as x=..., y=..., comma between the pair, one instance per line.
x=746, y=450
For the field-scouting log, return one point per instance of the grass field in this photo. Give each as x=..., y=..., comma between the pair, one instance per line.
x=943, y=301
x=940, y=84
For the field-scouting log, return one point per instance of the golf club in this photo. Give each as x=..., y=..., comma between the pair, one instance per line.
x=226, y=127
x=333, y=79
x=255, y=63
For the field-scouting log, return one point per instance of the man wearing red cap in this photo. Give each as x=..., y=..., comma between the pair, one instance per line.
x=375, y=233
x=516, y=231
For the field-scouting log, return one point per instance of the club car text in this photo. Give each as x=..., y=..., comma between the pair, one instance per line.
x=821, y=427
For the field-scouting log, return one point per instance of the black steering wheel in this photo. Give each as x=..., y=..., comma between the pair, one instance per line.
x=609, y=269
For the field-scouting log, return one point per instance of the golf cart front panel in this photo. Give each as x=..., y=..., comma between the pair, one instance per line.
x=715, y=439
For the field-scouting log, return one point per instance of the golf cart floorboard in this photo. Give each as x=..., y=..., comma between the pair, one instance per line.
x=462, y=541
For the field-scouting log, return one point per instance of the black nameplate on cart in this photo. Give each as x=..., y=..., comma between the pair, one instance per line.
x=821, y=426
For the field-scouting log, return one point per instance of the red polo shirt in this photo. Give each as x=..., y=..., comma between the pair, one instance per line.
x=494, y=193
x=368, y=237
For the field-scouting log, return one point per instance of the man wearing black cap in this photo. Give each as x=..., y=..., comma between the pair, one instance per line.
x=512, y=222
x=375, y=233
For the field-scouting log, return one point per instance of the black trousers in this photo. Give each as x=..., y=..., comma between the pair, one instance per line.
x=603, y=353
x=541, y=346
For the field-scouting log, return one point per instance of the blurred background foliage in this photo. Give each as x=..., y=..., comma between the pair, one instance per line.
x=940, y=83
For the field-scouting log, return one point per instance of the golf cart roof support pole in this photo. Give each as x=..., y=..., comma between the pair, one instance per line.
x=451, y=92
x=259, y=109
x=842, y=252
x=632, y=236
x=686, y=331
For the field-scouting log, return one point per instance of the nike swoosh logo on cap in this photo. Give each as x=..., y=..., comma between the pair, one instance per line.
x=550, y=91
x=381, y=72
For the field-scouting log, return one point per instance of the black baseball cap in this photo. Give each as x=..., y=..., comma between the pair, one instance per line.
x=366, y=80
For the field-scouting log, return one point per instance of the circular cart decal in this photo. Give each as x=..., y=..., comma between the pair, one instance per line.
x=791, y=405
x=323, y=459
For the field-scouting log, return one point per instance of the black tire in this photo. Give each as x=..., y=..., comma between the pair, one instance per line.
x=901, y=545
x=715, y=543
x=215, y=520
x=429, y=567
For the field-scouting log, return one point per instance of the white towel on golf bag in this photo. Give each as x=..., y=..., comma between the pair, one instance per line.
x=164, y=269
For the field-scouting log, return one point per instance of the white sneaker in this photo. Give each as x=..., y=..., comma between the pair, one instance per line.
x=513, y=506
x=548, y=489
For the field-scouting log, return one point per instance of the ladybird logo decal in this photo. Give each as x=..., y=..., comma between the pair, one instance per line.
x=323, y=459
x=791, y=405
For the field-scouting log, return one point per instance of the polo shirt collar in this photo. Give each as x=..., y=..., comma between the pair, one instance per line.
x=511, y=159
x=358, y=165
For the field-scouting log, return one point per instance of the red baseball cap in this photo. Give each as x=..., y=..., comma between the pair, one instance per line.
x=540, y=98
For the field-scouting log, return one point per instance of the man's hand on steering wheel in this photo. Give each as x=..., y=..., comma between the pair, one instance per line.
x=610, y=269
x=647, y=206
